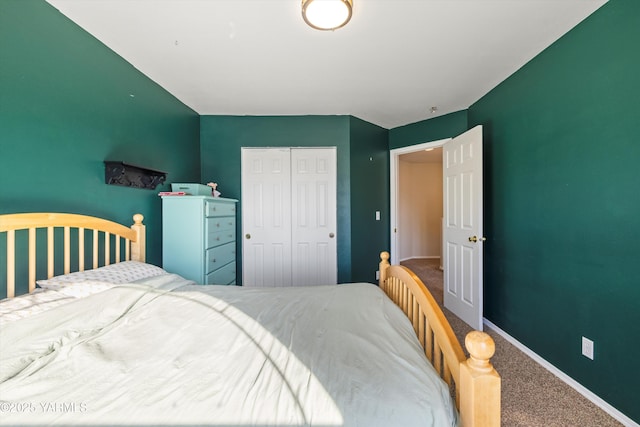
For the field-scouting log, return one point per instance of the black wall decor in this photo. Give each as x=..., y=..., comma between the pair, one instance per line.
x=128, y=175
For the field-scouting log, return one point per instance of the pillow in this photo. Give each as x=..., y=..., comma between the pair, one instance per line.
x=122, y=272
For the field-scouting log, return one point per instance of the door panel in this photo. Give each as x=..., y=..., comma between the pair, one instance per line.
x=463, y=287
x=266, y=217
x=314, y=216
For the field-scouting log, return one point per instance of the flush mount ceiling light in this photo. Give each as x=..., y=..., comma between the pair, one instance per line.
x=326, y=14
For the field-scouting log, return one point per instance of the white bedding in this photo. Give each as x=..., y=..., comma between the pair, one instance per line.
x=165, y=352
x=38, y=301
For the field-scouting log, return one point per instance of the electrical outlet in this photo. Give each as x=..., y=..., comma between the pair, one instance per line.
x=587, y=348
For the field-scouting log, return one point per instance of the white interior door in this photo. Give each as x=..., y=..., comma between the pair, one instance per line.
x=289, y=216
x=463, y=238
x=266, y=217
x=313, y=216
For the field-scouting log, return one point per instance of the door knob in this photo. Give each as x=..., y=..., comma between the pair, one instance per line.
x=331, y=235
x=248, y=236
x=475, y=239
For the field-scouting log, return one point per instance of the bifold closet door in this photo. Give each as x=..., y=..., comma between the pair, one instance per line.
x=266, y=217
x=289, y=216
x=313, y=216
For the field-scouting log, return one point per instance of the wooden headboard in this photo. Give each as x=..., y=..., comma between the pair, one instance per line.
x=100, y=230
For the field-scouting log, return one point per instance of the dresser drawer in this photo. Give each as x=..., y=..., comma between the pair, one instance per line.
x=220, y=223
x=213, y=208
x=219, y=256
x=218, y=238
x=223, y=276
x=219, y=231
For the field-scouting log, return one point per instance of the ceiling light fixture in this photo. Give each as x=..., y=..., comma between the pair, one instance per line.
x=326, y=14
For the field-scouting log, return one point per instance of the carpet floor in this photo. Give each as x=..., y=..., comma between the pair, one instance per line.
x=531, y=395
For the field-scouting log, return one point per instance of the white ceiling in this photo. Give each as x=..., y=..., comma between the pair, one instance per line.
x=392, y=63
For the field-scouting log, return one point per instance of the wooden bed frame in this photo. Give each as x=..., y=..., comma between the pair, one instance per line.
x=475, y=381
x=134, y=241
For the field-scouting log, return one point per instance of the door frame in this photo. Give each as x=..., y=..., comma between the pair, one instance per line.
x=394, y=160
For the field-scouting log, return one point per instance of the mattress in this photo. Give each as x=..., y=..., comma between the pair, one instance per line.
x=163, y=351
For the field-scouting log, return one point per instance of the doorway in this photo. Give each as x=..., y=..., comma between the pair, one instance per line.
x=420, y=205
x=414, y=153
x=462, y=228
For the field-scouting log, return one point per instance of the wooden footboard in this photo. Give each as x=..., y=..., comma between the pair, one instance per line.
x=134, y=241
x=475, y=381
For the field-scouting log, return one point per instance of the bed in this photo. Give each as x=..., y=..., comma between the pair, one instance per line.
x=107, y=339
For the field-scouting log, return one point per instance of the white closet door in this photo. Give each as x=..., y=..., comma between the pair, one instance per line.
x=289, y=216
x=313, y=216
x=266, y=217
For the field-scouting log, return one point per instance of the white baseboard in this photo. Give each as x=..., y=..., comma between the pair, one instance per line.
x=626, y=421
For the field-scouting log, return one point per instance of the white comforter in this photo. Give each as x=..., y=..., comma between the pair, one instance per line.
x=162, y=353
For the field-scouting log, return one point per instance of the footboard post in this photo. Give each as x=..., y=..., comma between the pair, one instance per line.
x=382, y=268
x=139, y=248
x=479, y=383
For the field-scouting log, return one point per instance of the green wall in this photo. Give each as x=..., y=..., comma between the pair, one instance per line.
x=562, y=202
x=441, y=127
x=67, y=103
x=222, y=137
x=369, y=193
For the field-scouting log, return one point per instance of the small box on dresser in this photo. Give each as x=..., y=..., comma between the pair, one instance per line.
x=199, y=238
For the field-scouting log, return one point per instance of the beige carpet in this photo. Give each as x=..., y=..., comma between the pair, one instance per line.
x=531, y=395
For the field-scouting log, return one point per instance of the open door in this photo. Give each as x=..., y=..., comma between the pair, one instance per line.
x=462, y=226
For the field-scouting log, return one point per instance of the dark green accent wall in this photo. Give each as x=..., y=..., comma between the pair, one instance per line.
x=222, y=137
x=67, y=103
x=369, y=193
x=441, y=127
x=562, y=202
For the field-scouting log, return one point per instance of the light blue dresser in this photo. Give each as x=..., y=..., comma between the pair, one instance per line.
x=199, y=238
